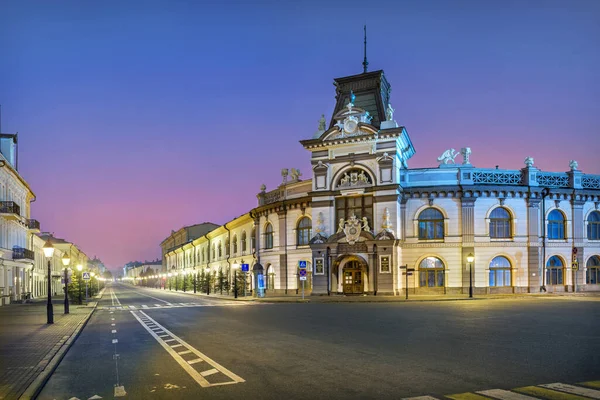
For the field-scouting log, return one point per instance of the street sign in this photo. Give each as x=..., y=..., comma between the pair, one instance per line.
x=245, y=267
x=302, y=278
x=86, y=276
x=303, y=273
x=574, y=250
x=302, y=264
x=575, y=265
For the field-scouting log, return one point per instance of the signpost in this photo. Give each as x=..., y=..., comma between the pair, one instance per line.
x=408, y=272
x=302, y=273
x=245, y=268
x=86, y=278
x=575, y=267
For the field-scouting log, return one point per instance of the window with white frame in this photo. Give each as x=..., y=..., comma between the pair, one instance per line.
x=500, y=272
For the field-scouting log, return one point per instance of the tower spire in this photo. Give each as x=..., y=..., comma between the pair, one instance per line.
x=365, y=62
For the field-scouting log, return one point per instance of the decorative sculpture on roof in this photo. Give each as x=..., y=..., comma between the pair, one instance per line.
x=448, y=157
x=365, y=225
x=322, y=123
x=296, y=174
x=573, y=165
x=263, y=187
x=529, y=161
x=355, y=177
x=465, y=152
x=284, y=174
x=389, y=113
x=352, y=229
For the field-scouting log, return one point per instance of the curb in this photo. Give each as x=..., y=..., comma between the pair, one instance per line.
x=34, y=389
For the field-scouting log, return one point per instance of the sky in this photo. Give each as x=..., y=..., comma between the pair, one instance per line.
x=136, y=118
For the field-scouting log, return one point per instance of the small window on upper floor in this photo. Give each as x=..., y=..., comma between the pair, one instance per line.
x=268, y=236
x=500, y=224
x=243, y=241
x=303, y=231
x=593, y=228
x=235, y=244
x=556, y=225
x=431, y=224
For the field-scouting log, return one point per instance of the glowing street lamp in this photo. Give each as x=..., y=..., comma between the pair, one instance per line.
x=48, y=253
x=470, y=260
x=80, y=268
x=66, y=260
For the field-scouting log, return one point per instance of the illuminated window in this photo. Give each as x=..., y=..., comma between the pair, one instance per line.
x=431, y=224
x=268, y=236
x=593, y=229
x=253, y=239
x=554, y=271
x=227, y=247
x=360, y=207
x=431, y=272
x=235, y=244
x=303, y=231
x=500, y=224
x=556, y=225
x=214, y=251
x=592, y=275
x=500, y=272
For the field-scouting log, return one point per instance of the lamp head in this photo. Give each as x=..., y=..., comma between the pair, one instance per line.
x=236, y=266
x=66, y=259
x=92, y=274
x=48, y=249
x=79, y=267
x=470, y=257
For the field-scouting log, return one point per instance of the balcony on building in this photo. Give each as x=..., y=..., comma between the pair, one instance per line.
x=10, y=210
x=33, y=225
x=22, y=254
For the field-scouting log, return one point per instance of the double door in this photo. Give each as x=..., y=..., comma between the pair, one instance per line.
x=353, y=283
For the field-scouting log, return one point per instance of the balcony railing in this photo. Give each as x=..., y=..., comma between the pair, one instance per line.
x=33, y=224
x=9, y=207
x=20, y=253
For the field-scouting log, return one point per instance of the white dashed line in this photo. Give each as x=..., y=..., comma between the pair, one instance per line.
x=594, y=394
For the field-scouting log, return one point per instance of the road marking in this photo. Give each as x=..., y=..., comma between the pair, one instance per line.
x=505, y=395
x=152, y=297
x=421, y=398
x=163, y=335
x=592, y=384
x=184, y=304
x=169, y=340
x=594, y=394
x=112, y=319
x=548, y=394
x=176, y=345
x=114, y=331
x=209, y=372
x=158, y=305
x=144, y=306
x=197, y=376
x=115, y=341
x=132, y=307
x=184, y=352
x=467, y=396
x=197, y=360
x=112, y=324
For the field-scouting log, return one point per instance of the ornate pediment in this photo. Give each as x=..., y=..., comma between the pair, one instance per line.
x=354, y=178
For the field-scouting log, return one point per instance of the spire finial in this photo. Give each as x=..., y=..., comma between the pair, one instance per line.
x=365, y=62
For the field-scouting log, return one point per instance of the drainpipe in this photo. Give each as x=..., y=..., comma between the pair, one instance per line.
x=328, y=258
x=228, y=252
x=285, y=242
x=545, y=193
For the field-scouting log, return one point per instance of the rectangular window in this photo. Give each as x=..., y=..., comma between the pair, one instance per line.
x=361, y=206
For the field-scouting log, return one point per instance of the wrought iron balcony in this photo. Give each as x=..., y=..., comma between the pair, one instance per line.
x=33, y=224
x=20, y=253
x=10, y=208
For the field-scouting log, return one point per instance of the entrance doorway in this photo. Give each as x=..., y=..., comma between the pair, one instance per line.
x=352, y=278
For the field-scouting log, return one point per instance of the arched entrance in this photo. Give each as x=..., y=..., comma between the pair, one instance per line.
x=352, y=274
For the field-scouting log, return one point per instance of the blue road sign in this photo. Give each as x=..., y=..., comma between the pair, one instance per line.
x=302, y=272
x=245, y=267
x=86, y=276
x=302, y=264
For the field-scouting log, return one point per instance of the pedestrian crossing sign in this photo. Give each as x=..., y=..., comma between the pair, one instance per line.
x=86, y=276
x=302, y=264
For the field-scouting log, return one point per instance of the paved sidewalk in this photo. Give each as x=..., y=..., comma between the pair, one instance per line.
x=27, y=343
x=337, y=298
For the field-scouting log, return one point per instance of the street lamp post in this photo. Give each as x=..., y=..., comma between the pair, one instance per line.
x=66, y=260
x=470, y=259
x=207, y=280
x=80, y=268
x=195, y=277
x=235, y=268
x=49, y=252
x=183, y=273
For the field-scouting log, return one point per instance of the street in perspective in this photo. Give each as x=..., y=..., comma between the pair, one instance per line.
x=227, y=200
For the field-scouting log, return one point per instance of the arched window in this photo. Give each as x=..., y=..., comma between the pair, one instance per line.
x=234, y=244
x=500, y=224
x=431, y=224
x=554, y=271
x=203, y=254
x=592, y=276
x=500, y=272
x=214, y=253
x=303, y=231
x=593, y=229
x=268, y=236
x=253, y=239
x=556, y=225
x=219, y=249
x=227, y=247
x=270, y=277
x=431, y=272
x=243, y=241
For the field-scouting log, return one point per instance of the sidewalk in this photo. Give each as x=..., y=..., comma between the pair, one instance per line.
x=338, y=298
x=28, y=344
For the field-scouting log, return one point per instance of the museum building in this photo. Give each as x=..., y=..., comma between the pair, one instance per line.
x=368, y=224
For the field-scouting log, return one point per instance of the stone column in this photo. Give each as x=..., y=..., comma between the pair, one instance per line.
x=468, y=241
x=578, y=227
x=282, y=232
x=534, y=253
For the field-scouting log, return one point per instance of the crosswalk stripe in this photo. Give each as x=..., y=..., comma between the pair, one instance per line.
x=158, y=305
x=184, y=352
x=467, y=396
x=421, y=398
x=169, y=340
x=162, y=336
x=144, y=306
x=548, y=394
x=176, y=345
x=505, y=395
x=197, y=360
x=132, y=307
x=183, y=304
x=209, y=372
x=592, y=384
x=594, y=394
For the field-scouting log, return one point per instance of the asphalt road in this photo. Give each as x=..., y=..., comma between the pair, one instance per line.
x=324, y=351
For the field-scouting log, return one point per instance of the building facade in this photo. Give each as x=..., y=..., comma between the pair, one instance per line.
x=366, y=223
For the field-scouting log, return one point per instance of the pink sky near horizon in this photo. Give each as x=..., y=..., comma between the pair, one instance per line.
x=137, y=120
